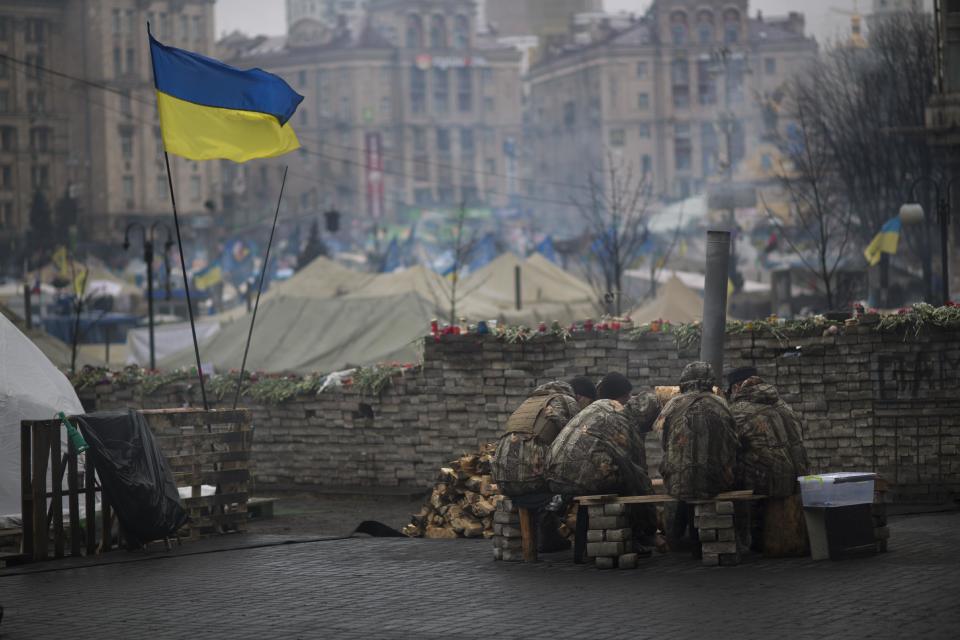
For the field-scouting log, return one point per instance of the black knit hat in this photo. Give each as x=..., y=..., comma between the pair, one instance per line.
x=740, y=374
x=583, y=386
x=614, y=386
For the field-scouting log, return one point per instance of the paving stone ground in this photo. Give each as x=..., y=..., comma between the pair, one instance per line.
x=399, y=588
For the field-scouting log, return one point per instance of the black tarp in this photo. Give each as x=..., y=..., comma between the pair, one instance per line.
x=136, y=479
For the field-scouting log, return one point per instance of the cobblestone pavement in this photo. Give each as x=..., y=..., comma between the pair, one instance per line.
x=398, y=588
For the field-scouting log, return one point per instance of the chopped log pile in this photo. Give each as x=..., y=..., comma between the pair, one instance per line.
x=463, y=500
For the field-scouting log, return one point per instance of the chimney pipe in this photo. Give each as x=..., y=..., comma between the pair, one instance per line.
x=715, y=301
x=516, y=287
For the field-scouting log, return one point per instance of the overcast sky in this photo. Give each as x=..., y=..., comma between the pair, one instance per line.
x=254, y=16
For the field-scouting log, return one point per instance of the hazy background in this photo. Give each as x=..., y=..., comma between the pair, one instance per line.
x=259, y=17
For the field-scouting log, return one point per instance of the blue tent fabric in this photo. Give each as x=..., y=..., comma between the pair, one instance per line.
x=483, y=253
x=546, y=249
x=392, y=259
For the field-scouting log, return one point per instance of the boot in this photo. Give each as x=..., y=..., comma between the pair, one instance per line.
x=549, y=539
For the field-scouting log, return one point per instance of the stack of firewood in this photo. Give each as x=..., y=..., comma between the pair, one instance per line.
x=462, y=503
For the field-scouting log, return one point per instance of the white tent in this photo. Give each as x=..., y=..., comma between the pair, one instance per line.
x=675, y=302
x=31, y=388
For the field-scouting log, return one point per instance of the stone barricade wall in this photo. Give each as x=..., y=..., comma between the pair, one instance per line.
x=869, y=400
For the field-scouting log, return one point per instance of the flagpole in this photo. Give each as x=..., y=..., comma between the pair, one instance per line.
x=263, y=273
x=186, y=284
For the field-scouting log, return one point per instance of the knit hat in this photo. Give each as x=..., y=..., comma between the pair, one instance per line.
x=614, y=386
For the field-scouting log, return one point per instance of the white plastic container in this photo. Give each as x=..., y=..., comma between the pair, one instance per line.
x=837, y=489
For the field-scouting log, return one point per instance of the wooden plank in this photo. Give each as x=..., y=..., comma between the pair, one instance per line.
x=221, y=499
x=73, y=488
x=41, y=448
x=185, y=417
x=599, y=499
x=200, y=441
x=26, y=488
x=56, y=498
x=528, y=535
x=183, y=462
x=199, y=477
x=90, y=505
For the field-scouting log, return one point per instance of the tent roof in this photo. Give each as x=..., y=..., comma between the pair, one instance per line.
x=675, y=302
x=56, y=350
x=418, y=280
x=304, y=335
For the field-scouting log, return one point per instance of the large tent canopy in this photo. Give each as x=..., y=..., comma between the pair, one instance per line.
x=31, y=388
x=675, y=302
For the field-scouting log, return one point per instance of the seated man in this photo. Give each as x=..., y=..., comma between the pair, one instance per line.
x=771, y=457
x=601, y=451
x=699, y=444
x=519, y=461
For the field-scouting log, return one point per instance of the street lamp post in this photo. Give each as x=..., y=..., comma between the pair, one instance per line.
x=943, y=201
x=148, y=240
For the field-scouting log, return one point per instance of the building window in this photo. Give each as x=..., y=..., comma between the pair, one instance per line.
x=461, y=32
x=443, y=142
x=441, y=90
x=197, y=28
x=40, y=139
x=682, y=147
x=195, y=188
x=736, y=72
x=386, y=107
x=709, y=149
x=418, y=90
x=184, y=28
x=131, y=62
x=126, y=105
x=128, y=190
x=36, y=101
x=464, y=89
x=731, y=26
x=644, y=129
x=117, y=62
x=36, y=30
x=618, y=137
x=4, y=101
x=130, y=21
x=414, y=31
x=6, y=215
x=679, y=28
x=166, y=25
x=6, y=177
x=641, y=70
x=770, y=66
x=489, y=104
x=419, y=139
x=117, y=22
x=643, y=101
x=423, y=195
x=39, y=176
x=467, y=147
x=438, y=32
x=680, y=78
x=160, y=185
x=646, y=165
x=706, y=83
x=8, y=139
x=705, y=27
x=569, y=114
x=4, y=70
x=304, y=117
x=302, y=78
x=4, y=28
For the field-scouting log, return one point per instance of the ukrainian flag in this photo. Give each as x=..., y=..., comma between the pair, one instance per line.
x=885, y=241
x=209, y=110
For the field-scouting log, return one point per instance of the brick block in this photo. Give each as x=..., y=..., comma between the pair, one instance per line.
x=706, y=509
x=720, y=547
x=506, y=531
x=619, y=535
x=715, y=522
x=614, y=509
x=497, y=553
x=595, y=512
x=627, y=561
x=595, y=535
x=605, y=563
x=511, y=556
x=724, y=507
x=726, y=535
x=710, y=559
x=708, y=535
x=505, y=517
x=608, y=522
x=512, y=544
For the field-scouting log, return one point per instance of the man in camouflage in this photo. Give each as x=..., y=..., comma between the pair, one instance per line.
x=771, y=453
x=699, y=443
x=602, y=451
x=519, y=461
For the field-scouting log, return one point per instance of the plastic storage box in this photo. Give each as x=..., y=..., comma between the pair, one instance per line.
x=837, y=489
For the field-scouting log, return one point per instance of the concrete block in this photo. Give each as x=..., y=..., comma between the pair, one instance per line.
x=706, y=509
x=724, y=508
x=608, y=522
x=505, y=517
x=511, y=556
x=595, y=535
x=720, y=547
x=614, y=509
x=619, y=535
x=506, y=504
x=726, y=535
x=595, y=512
x=497, y=553
x=605, y=563
x=627, y=561
x=609, y=548
x=715, y=522
x=506, y=531
x=709, y=535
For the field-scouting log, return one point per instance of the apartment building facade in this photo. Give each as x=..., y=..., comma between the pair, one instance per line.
x=669, y=98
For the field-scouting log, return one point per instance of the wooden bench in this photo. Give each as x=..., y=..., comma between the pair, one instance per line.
x=584, y=502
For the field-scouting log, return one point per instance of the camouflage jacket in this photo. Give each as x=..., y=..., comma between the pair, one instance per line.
x=600, y=451
x=771, y=440
x=699, y=446
x=519, y=461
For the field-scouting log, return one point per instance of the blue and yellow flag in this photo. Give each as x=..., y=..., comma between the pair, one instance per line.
x=209, y=110
x=209, y=277
x=885, y=241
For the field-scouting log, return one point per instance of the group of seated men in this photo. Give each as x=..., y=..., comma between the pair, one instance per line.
x=574, y=438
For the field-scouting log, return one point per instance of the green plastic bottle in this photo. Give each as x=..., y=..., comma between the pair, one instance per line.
x=76, y=438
